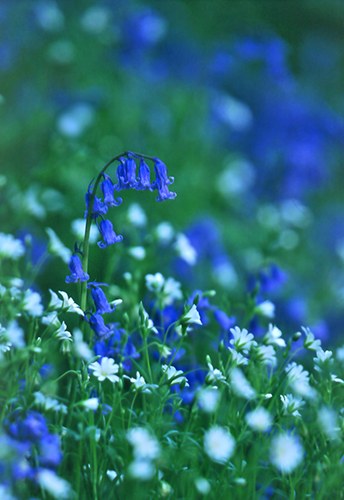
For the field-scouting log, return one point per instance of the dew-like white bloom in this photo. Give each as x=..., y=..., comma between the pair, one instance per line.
x=32, y=303
x=15, y=334
x=174, y=376
x=81, y=348
x=225, y=275
x=202, y=485
x=328, y=422
x=274, y=336
x=78, y=229
x=145, y=445
x=298, y=380
x=48, y=403
x=106, y=369
x=266, y=308
x=136, y=215
x=219, y=444
x=291, y=405
x=172, y=291
x=56, y=247
x=192, y=317
x=164, y=232
x=111, y=474
x=322, y=359
x=242, y=340
x=310, y=342
x=259, y=419
x=286, y=453
x=54, y=485
x=185, y=250
x=155, y=282
x=10, y=247
x=138, y=253
x=63, y=334
x=90, y=404
x=74, y=121
x=208, y=399
x=267, y=355
x=140, y=469
x=241, y=385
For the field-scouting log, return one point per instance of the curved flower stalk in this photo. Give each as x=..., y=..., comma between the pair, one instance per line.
x=133, y=172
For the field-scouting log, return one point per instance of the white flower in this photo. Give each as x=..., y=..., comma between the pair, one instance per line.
x=266, y=308
x=78, y=229
x=202, y=485
x=259, y=419
x=140, y=384
x=172, y=291
x=10, y=247
x=322, y=359
x=274, y=336
x=141, y=469
x=69, y=304
x=185, y=250
x=90, y=404
x=267, y=355
x=237, y=358
x=340, y=353
x=81, y=348
x=174, y=376
x=56, y=247
x=286, y=453
x=106, y=369
x=111, y=474
x=310, y=342
x=63, y=334
x=155, y=282
x=192, y=316
x=75, y=120
x=136, y=215
x=138, y=253
x=145, y=446
x=49, y=403
x=54, y=485
x=218, y=444
x=164, y=232
x=242, y=341
x=148, y=323
x=208, y=399
x=214, y=374
x=298, y=379
x=291, y=405
x=15, y=334
x=32, y=303
x=328, y=421
x=241, y=385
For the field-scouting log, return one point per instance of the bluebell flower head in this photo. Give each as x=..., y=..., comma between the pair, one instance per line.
x=108, y=234
x=98, y=325
x=77, y=273
x=144, y=176
x=100, y=300
x=162, y=180
x=32, y=428
x=108, y=190
x=99, y=207
x=50, y=451
x=126, y=174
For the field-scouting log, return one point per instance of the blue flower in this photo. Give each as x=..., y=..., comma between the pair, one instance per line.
x=32, y=428
x=50, y=451
x=108, y=234
x=162, y=181
x=144, y=176
x=77, y=273
x=100, y=300
x=98, y=325
x=126, y=174
x=99, y=207
x=108, y=189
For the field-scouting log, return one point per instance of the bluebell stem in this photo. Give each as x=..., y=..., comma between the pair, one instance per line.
x=77, y=272
x=108, y=234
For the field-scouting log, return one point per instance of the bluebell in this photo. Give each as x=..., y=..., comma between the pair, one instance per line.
x=77, y=273
x=108, y=234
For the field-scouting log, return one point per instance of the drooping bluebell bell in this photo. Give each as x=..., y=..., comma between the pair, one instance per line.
x=162, y=180
x=108, y=234
x=77, y=273
x=100, y=300
x=98, y=325
x=126, y=174
x=99, y=208
x=108, y=188
x=50, y=454
x=144, y=177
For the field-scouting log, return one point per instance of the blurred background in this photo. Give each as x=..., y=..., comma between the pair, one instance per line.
x=244, y=102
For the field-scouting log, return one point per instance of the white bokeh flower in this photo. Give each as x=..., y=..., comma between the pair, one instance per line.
x=259, y=419
x=266, y=309
x=106, y=369
x=78, y=230
x=286, y=453
x=240, y=385
x=56, y=247
x=145, y=445
x=208, y=399
x=32, y=303
x=140, y=469
x=219, y=444
x=298, y=380
x=164, y=232
x=10, y=247
x=185, y=250
x=136, y=215
x=54, y=485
